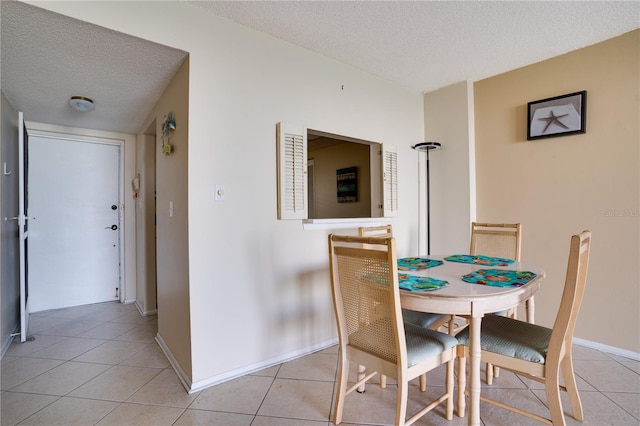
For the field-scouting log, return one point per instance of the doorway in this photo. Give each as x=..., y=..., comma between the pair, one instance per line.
x=74, y=239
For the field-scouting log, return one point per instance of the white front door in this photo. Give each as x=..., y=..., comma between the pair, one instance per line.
x=74, y=241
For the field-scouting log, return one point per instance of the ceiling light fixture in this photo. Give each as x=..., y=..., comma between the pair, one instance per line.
x=80, y=103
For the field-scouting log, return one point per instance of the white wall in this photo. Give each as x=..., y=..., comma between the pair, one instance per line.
x=259, y=288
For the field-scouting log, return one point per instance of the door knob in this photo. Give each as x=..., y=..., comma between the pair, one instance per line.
x=114, y=227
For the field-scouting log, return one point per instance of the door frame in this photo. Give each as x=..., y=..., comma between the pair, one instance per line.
x=35, y=130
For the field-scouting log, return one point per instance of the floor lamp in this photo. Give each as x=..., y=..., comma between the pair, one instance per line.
x=426, y=147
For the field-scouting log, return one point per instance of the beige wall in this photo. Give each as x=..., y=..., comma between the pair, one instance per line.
x=557, y=187
x=172, y=230
x=9, y=251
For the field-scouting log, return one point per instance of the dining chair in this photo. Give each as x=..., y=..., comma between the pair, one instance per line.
x=421, y=319
x=498, y=240
x=537, y=352
x=371, y=330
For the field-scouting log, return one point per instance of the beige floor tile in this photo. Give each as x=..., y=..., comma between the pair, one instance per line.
x=18, y=406
x=68, y=349
x=39, y=324
x=267, y=372
x=597, y=408
x=378, y=406
x=311, y=367
x=207, y=418
x=68, y=411
x=608, y=376
x=8, y=358
x=632, y=365
x=149, y=356
x=112, y=352
x=62, y=379
x=298, y=399
x=584, y=353
x=133, y=318
x=116, y=384
x=24, y=369
x=143, y=333
x=630, y=402
x=41, y=342
x=521, y=398
x=278, y=421
x=242, y=395
x=164, y=389
x=71, y=328
x=109, y=330
x=141, y=415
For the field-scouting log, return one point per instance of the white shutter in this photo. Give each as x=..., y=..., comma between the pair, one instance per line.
x=292, y=171
x=390, y=180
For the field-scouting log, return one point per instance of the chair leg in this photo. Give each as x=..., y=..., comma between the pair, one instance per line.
x=401, y=401
x=343, y=376
x=383, y=381
x=552, y=389
x=423, y=382
x=462, y=380
x=449, y=387
x=489, y=373
x=566, y=367
x=361, y=374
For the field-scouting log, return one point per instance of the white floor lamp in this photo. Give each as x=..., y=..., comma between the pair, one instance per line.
x=426, y=147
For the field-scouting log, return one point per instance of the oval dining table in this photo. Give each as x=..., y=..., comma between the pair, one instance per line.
x=472, y=301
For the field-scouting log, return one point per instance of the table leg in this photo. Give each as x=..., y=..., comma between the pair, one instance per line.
x=530, y=307
x=474, y=370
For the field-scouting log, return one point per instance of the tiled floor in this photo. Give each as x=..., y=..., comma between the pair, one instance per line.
x=99, y=365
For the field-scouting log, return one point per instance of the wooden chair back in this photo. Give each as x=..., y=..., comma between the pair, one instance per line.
x=496, y=239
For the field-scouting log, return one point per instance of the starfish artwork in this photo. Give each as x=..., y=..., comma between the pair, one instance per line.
x=553, y=119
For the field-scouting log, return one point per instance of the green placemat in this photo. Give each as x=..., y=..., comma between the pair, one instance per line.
x=499, y=277
x=480, y=260
x=417, y=263
x=414, y=283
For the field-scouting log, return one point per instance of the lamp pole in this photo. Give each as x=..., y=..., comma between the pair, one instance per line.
x=426, y=147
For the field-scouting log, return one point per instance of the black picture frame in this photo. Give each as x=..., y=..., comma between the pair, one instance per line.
x=558, y=116
x=347, y=185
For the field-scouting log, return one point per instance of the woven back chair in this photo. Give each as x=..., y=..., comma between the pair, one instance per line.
x=537, y=352
x=371, y=331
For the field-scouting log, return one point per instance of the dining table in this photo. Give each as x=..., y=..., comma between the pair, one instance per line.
x=470, y=287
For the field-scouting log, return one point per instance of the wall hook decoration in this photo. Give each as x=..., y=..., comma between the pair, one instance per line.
x=168, y=126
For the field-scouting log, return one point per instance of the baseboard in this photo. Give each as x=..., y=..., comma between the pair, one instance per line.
x=7, y=343
x=608, y=349
x=184, y=379
x=239, y=372
x=143, y=312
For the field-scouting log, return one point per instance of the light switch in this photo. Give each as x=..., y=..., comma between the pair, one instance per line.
x=219, y=195
x=170, y=208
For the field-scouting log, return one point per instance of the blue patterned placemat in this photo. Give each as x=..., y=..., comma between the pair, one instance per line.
x=416, y=263
x=414, y=283
x=480, y=260
x=499, y=277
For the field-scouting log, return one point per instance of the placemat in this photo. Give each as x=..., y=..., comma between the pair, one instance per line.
x=499, y=277
x=416, y=263
x=414, y=283
x=480, y=260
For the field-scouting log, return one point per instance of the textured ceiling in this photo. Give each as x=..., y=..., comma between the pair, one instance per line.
x=47, y=58
x=423, y=45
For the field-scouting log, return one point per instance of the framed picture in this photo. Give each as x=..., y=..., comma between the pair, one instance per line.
x=559, y=116
x=347, y=183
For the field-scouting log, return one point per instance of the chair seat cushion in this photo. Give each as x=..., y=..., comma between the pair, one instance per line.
x=423, y=343
x=421, y=319
x=513, y=338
